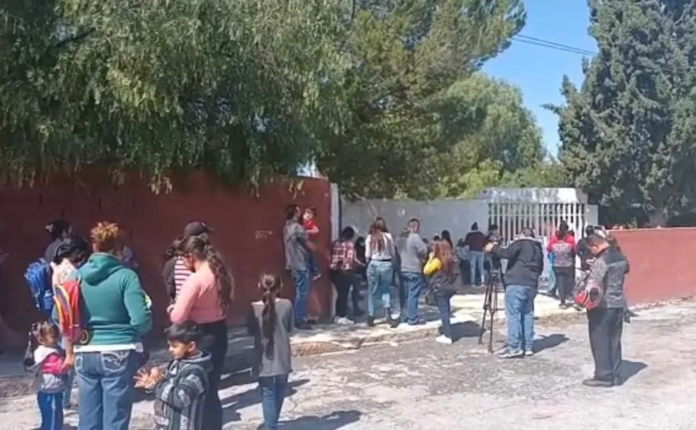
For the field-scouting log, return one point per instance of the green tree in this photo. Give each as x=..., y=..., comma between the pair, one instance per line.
x=503, y=139
x=370, y=91
x=628, y=133
x=402, y=110
x=234, y=87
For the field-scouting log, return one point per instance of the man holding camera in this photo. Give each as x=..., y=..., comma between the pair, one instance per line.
x=525, y=262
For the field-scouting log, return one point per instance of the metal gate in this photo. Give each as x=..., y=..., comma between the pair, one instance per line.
x=543, y=218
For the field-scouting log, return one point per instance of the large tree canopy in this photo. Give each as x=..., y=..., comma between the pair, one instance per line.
x=628, y=133
x=505, y=147
x=372, y=92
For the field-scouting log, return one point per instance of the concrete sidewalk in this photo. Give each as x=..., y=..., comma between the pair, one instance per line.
x=467, y=310
x=467, y=313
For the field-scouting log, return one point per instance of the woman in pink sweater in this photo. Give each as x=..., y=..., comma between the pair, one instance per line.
x=204, y=299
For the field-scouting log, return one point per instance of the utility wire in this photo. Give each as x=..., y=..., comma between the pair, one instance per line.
x=552, y=45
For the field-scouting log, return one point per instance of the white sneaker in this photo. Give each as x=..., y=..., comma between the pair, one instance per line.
x=343, y=321
x=443, y=340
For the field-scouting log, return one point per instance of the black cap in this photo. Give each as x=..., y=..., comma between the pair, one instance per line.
x=196, y=228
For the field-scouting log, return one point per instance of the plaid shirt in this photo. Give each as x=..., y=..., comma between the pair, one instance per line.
x=342, y=255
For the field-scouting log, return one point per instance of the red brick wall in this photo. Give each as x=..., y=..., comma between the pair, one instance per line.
x=248, y=231
x=663, y=263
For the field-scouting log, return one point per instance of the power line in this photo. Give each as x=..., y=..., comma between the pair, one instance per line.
x=555, y=47
x=560, y=45
x=552, y=45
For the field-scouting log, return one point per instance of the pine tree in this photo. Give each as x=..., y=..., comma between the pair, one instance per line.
x=627, y=133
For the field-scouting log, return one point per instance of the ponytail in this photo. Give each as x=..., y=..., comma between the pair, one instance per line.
x=270, y=286
x=173, y=250
x=223, y=279
x=199, y=248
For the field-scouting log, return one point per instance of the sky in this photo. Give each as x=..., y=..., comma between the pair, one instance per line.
x=539, y=71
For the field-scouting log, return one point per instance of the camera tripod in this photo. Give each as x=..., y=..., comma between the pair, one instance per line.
x=490, y=306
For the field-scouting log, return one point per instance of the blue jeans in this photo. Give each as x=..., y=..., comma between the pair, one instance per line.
x=51, y=408
x=272, y=397
x=476, y=259
x=413, y=285
x=442, y=299
x=106, y=389
x=380, y=275
x=312, y=265
x=301, y=279
x=519, y=312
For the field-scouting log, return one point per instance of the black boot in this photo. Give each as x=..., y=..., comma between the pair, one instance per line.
x=370, y=321
x=393, y=323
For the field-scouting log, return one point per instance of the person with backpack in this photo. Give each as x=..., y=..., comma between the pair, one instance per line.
x=114, y=317
x=58, y=230
x=72, y=254
x=39, y=273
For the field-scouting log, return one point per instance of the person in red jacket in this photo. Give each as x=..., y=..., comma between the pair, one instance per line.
x=563, y=248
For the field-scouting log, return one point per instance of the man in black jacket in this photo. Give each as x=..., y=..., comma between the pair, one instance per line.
x=525, y=261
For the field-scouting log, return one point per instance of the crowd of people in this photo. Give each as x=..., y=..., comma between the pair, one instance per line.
x=102, y=342
x=419, y=268
x=96, y=330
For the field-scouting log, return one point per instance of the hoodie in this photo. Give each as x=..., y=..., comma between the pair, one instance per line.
x=115, y=312
x=525, y=262
x=180, y=396
x=48, y=363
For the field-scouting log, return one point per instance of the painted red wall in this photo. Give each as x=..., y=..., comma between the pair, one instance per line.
x=662, y=263
x=248, y=231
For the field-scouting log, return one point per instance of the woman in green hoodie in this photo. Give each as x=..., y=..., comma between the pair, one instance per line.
x=115, y=317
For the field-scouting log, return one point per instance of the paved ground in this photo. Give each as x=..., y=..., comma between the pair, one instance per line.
x=423, y=385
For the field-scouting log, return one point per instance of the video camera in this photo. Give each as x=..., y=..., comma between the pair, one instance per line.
x=494, y=262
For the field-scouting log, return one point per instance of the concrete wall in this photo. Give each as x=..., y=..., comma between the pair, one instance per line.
x=662, y=263
x=248, y=232
x=453, y=215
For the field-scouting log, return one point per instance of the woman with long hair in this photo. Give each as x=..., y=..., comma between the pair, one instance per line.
x=115, y=317
x=379, y=253
x=447, y=237
x=270, y=322
x=442, y=276
x=205, y=299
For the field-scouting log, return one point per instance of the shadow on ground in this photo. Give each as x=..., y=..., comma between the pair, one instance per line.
x=232, y=404
x=549, y=342
x=333, y=421
x=629, y=369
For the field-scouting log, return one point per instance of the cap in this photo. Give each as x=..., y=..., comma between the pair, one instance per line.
x=196, y=228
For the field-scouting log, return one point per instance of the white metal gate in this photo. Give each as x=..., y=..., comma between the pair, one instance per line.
x=544, y=218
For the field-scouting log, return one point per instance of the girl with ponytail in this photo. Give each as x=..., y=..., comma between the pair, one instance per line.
x=270, y=322
x=205, y=298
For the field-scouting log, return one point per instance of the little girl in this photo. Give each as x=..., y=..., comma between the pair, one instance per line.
x=270, y=322
x=47, y=362
x=441, y=273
